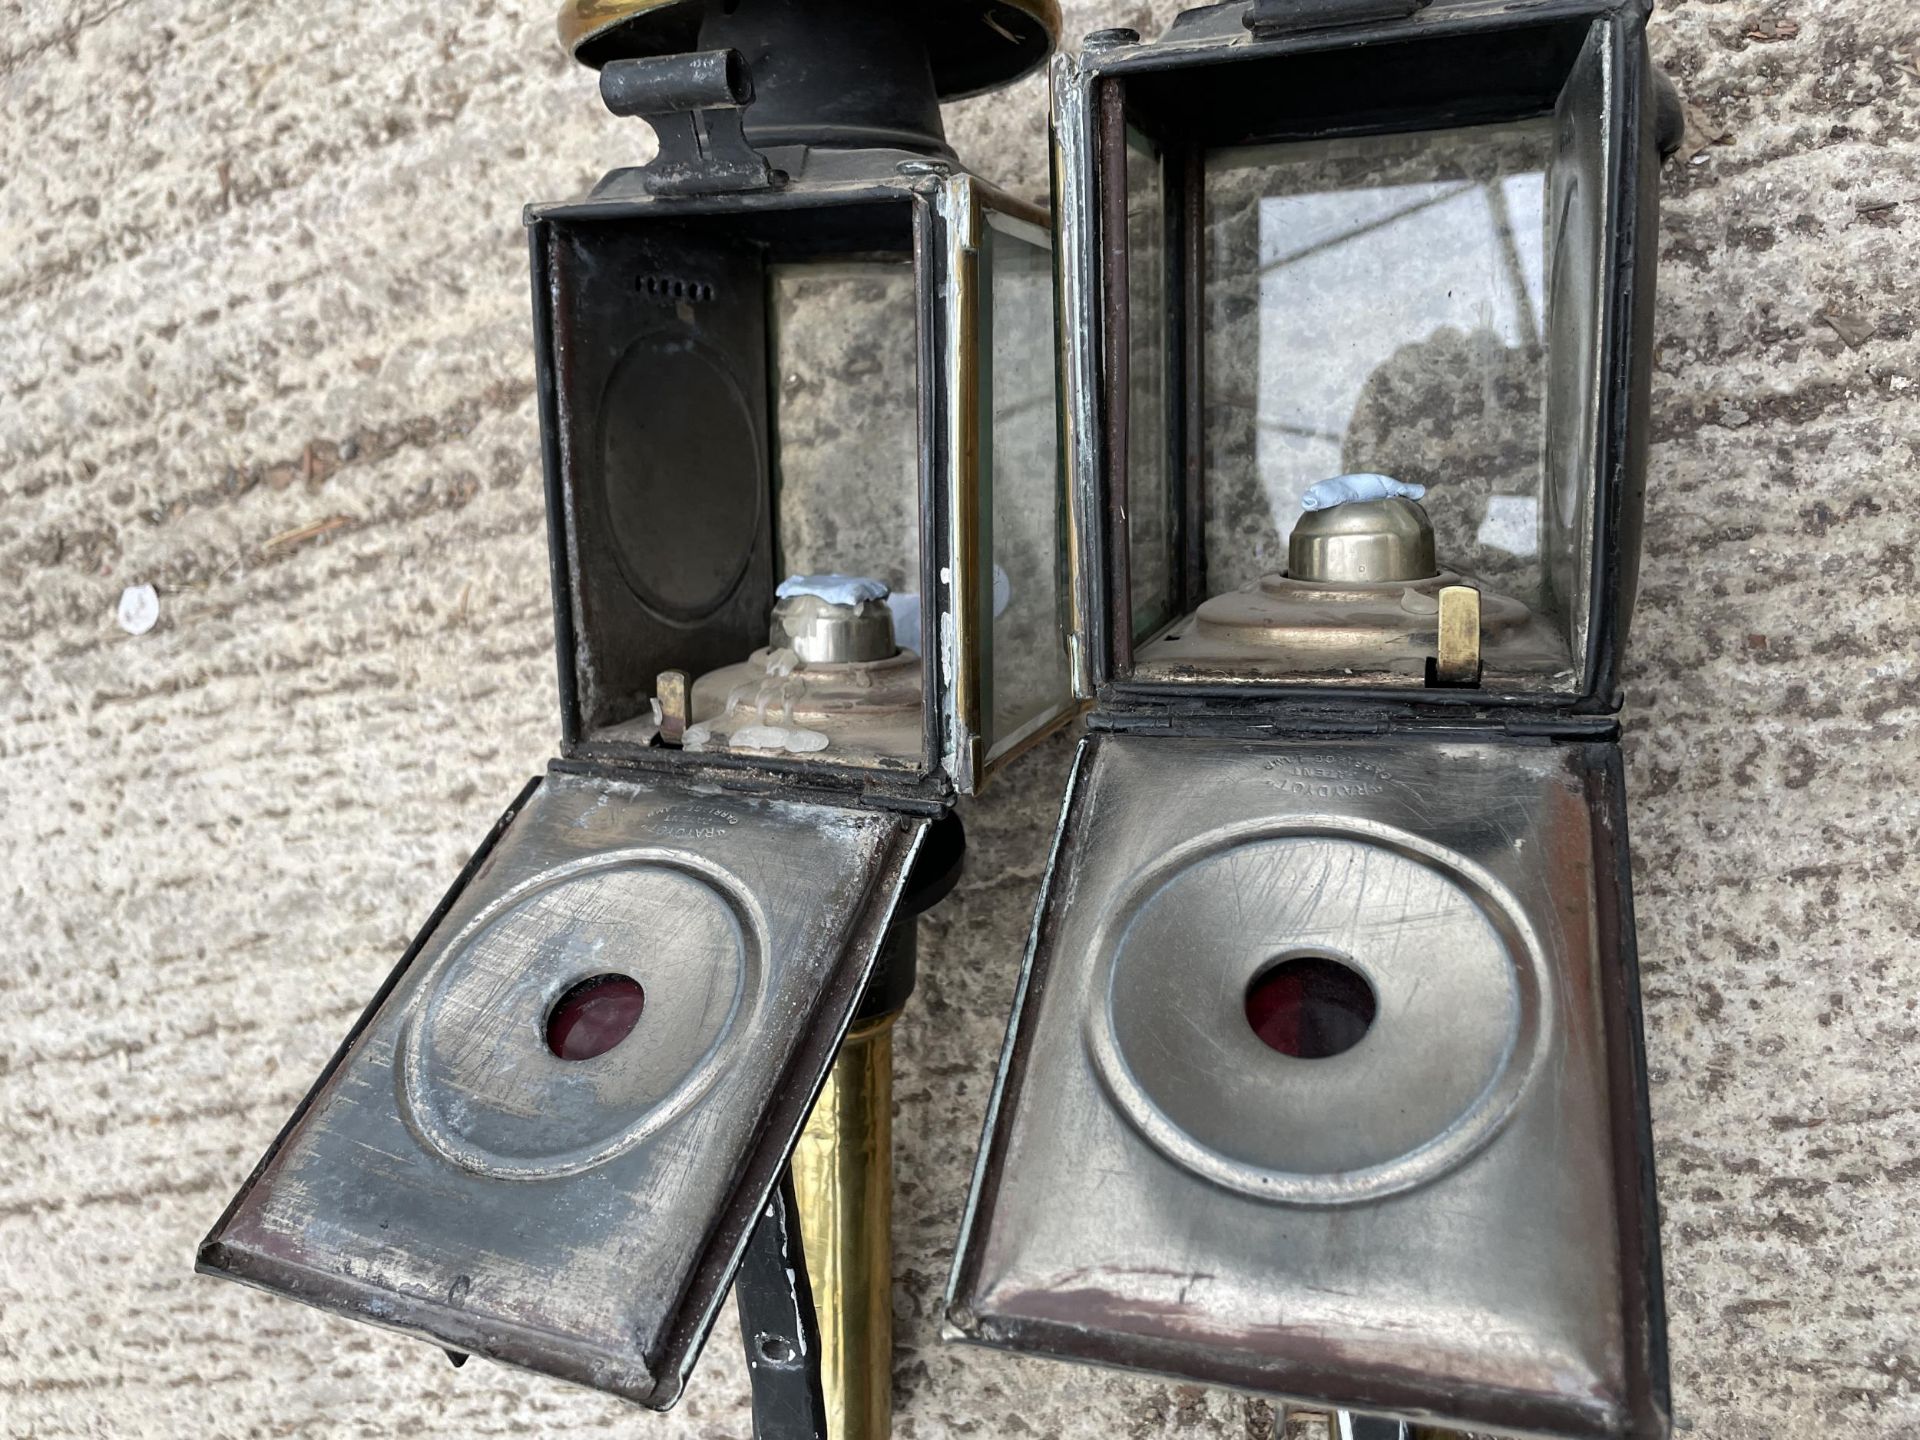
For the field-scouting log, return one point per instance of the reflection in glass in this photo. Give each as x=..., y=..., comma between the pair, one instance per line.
x=1372, y=304
x=1389, y=293
x=1150, y=490
x=1025, y=664
x=846, y=420
x=831, y=683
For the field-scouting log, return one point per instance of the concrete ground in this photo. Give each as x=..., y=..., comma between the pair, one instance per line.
x=264, y=345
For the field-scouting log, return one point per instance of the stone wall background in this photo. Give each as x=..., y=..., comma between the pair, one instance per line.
x=264, y=344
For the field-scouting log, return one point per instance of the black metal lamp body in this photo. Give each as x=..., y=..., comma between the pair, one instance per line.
x=1326, y=1075
x=788, y=347
x=771, y=383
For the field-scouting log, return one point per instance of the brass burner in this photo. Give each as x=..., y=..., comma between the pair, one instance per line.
x=774, y=702
x=1383, y=621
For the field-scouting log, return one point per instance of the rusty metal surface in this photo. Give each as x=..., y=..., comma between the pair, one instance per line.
x=1447, y=1221
x=451, y=1176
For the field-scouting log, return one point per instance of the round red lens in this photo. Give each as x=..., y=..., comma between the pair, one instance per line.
x=1310, y=1007
x=594, y=1016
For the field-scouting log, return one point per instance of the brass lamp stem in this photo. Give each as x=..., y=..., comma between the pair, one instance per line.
x=843, y=1182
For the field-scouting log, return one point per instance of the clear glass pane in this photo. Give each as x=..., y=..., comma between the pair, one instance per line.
x=1150, y=492
x=1390, y=292
x=1022, y=498
x=846, y=420
x=1576, y=244
x=1378, y=304
x=834, y=685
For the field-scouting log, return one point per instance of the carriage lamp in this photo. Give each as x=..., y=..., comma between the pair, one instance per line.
x=796, y=379
x=1326, y=1076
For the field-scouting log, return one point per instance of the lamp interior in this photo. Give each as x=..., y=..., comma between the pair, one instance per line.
x=1392, y=267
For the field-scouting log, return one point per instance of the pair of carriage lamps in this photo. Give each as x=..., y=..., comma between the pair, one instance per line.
x=1300, y=450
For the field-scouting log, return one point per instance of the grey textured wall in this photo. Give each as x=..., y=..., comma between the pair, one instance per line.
x=264, y=344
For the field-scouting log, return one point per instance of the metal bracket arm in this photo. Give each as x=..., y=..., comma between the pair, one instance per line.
x=778, y=1325
x=693, y=102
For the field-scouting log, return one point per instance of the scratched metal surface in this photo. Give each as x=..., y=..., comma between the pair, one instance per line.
x=454, y=1178
x=1432, y=1218
x=264, y=343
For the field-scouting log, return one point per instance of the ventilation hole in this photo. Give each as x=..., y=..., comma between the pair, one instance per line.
x=1310, y=1007
x=594, y=1016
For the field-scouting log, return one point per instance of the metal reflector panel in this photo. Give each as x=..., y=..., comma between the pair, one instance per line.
x=549, y=1140
x=1325, y=1081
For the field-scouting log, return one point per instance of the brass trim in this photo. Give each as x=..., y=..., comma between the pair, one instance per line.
x=843, y=1184
x=582, y=20
x=1458, y=662
x=993, y=200
x=968, y=41
x=671, y=690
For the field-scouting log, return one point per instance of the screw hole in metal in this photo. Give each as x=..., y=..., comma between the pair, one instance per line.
x=594, y=1016
x=775, y=1349
x=1310, y=1007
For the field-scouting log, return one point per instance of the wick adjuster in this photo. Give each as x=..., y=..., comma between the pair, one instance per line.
x=1458, y=660
x=670, y=688
x=693, y=102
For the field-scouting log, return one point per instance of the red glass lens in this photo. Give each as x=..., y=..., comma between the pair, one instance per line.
x=1310, y=1007
x=594, y=1016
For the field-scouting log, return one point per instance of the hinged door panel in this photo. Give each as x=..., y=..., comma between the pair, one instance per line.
x=452, y=1175
x=1325, y=1080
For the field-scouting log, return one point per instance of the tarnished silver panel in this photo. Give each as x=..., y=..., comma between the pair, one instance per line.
x=452, y=1176
x=1448, y=1220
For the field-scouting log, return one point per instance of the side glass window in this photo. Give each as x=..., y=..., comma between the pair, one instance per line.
x=1149, y=461
x=1023, y=616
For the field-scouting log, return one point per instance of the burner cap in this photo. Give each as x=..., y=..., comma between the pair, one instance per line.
x=1364, y=542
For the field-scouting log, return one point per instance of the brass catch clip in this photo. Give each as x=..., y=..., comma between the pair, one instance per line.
x=1458, y=660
